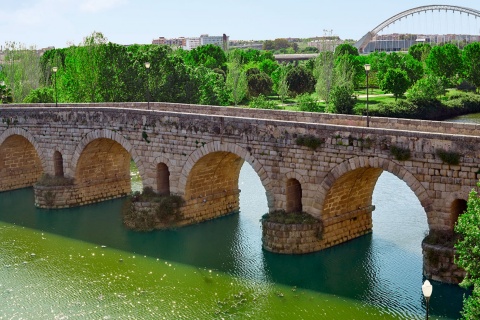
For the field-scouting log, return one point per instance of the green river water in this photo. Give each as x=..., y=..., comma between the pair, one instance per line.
x=81, y=263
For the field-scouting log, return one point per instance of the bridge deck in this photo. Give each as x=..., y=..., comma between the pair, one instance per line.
x=427, y=126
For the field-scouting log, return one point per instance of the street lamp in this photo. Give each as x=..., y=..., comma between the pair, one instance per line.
x=427, y=292
x=367, y=70
x=55, y=69
x=147, y=66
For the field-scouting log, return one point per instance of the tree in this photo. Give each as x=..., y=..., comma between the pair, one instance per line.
x=468, y=254
x=280, y=83
x=420, y=51
x=236, y=80
x=445, y=61
x=471, y=61
x=344, y=49
x=5, y=94
x=342, y=99
x=210, y=56
x=426, y=89
x=40, y=95
x=395, y=81
x=258, y=83
x=300, y=80
x=21, y=69
x=324, y=66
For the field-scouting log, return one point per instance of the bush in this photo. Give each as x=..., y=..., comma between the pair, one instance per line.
x=342, y=100
x=401, y=154
x=280, y=216
x=426, y=89
x=308, y=103
x=40, y=95
x=261, y=102
x=448, y=157
x=309, y=142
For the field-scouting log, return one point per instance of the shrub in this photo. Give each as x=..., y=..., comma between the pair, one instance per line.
x=448, y=157
x=401, y=154
x=308, y=103
x=40, y=95
x=261, y=102
x=280, y=216
x=309, y=141
x=342, y=100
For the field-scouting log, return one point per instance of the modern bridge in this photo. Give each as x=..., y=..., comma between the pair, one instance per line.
x=369, y=36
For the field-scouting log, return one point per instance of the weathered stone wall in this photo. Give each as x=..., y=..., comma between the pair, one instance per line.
x=291, y=238
x=336, y=179
x=439, y=264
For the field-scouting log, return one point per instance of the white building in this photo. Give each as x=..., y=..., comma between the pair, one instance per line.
x=191, y=43
x=221, y=41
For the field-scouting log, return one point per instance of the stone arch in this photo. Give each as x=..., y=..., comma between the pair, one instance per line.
x=226, y=147
x=22, y=132
x=21, y=160
x=111, y=135
x=376, y=166
x=58, y=164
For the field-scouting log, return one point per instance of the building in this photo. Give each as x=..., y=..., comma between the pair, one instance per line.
x=193, y=42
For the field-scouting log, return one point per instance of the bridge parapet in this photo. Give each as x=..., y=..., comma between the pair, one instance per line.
x=454, y=128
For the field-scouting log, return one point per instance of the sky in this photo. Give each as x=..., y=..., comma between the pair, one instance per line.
x=60, y=23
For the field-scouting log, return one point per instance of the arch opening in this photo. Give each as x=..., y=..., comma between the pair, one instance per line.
x=212, y=186
x=457, y=208
x=58, y=164
x=20, y=164
x=103, y=171
x=163, y=179
x=294, y=196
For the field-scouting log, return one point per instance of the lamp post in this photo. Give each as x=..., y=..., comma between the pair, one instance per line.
x=427, y=292
x=147, y=66
x=55, y=69
x=367, y=70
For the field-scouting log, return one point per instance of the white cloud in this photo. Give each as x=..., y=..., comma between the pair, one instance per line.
x=94, y=6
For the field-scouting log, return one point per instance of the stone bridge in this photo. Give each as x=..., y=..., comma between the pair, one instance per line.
x=197, y=152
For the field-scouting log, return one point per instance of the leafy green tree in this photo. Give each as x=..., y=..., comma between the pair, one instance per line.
x=445, y=61
x=471, y=61
x=236, y=80
x=5, y=94
x=420, y=51
x=280, y=84
x=344, y=49
x=268, y=66
x=324, y=73
x=281, y=43
x=468, y=254
x=342, y=99
x=40, y=95
x=300, y=80
x=426, y=89
x=261, y=102
x=395, y=81
x=21, y=69
x=268, y=45
x=210, y=56
x=258, y=83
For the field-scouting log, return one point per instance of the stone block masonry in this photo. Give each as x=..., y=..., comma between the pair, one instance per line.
x=197, y=152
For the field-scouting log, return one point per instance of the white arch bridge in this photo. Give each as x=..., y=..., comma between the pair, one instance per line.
x=363, y=42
